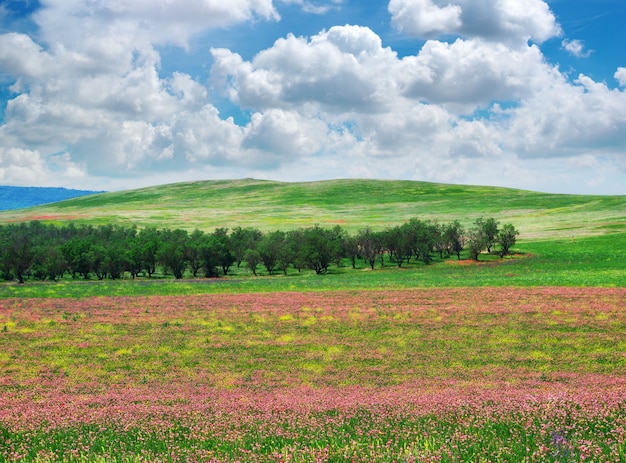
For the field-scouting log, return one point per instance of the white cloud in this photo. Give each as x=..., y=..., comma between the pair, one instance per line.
x=143, y=21
x=620, y=76
x=569, y=120
x=423, y=18
x=337, y=103
x=575, y=48
x=284, y=134
x=470, y=73
x=28, y=167
x=93, y=83
x=510, y=21
x=399, y=117
x=344, y=68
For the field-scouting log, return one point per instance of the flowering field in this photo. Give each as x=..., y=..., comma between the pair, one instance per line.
x=467, y=374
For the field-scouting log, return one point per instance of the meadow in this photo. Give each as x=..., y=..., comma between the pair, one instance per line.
x=353, y=204
x=521, y=359
x=466, y=374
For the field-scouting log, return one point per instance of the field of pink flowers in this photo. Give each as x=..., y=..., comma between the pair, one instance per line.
x=452, y=375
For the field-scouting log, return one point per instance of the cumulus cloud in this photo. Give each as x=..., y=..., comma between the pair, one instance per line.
x=284, y=133
x=92, y=81
x=413, y=110
x=28, y=167
x=90, y=99
x=566, y=119
x=143, y=21
x=510, y=21
x=470, y=73
x=424, y=18
x=345, y=67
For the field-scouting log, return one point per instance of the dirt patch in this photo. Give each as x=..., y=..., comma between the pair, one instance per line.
x=469, y=262
x=49, y=217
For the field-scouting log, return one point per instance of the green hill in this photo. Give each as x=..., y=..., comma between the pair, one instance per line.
x=353, y=204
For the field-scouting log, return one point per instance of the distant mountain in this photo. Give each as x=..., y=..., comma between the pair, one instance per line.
x=19, y=197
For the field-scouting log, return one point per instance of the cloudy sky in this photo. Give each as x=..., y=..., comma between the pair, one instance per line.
x=119, y=94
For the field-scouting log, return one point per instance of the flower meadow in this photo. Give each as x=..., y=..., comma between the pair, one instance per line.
x=424, y=375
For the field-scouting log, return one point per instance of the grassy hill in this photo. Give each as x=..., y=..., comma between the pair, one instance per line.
x=353, y=204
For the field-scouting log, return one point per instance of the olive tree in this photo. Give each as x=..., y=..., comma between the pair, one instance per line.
x=506, y=238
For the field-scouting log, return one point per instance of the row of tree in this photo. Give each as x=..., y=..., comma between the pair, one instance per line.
x=47, y=252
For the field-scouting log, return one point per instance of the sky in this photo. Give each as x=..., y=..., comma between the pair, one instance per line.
x=122, y=94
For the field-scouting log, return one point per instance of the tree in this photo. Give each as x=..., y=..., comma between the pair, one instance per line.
x=287, y=253
x=350, y=248
x=252, y=259
x=19, y=252
x=76, y=252
x=222, y=246
x=439, y=238
x=506, y=238
x=197, y=243
x=269, y=249
x=149, y=242
x=294, y=241
x=134, y=258
x=455, y=237
x=49, y=263
x=399, y=243
x=242, y=239
x=489, y=229
x=321, y=247
x=117, y=249
x=96, y=258
x=173, y=252
x=476, y=242
x=423, y=239
x=116, y=259
x=369, y=245
x=209, y=256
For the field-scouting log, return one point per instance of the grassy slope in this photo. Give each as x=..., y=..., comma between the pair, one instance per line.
x=547, y=222
x=351, y=203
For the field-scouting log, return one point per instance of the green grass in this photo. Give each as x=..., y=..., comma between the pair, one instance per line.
x=352, y=204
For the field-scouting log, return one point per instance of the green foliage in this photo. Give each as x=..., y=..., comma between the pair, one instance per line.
x=506, y=238
x=454, y=237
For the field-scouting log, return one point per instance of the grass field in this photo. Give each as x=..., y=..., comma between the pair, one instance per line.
x=514, y=360
x=353, y=204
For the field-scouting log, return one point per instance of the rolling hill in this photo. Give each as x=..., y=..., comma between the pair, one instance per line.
x=353, y=204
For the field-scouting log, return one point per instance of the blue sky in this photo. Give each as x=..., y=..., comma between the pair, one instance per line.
x=116, y=95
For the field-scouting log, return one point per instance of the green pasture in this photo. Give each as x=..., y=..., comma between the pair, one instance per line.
x=353, y=204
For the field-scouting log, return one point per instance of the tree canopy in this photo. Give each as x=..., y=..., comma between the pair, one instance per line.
x=47, y=252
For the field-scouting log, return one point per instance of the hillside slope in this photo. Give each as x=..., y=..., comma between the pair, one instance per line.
x=353, y=204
